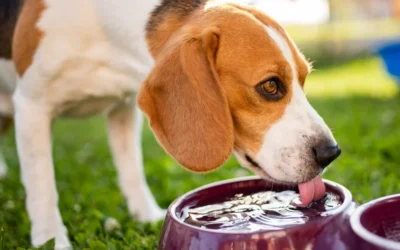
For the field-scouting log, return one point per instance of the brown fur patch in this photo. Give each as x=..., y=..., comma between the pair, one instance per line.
x=163, y=33
x=27, y=36
x=303, y=66
x=167, y=19
x=186, y=106
x=246, y=55
x=178, y=8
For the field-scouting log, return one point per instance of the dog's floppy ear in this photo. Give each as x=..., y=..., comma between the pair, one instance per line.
x=186, y=106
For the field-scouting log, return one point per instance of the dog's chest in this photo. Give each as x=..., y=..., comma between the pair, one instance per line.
x=92, y=106
x=88, y=87
x=85, y=68
x=96, y=82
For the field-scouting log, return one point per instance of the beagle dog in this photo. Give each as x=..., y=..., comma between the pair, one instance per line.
x=212, y=78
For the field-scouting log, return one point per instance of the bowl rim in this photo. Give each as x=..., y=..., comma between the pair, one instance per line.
x=366, y=235
x=348, y=199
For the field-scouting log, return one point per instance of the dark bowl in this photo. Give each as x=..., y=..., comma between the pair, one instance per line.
x=330, y=231
x=376, y=224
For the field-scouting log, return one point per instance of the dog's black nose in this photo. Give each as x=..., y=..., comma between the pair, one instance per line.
x=325, y=154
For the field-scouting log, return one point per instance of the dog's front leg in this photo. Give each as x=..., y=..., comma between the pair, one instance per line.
x=33, y=134
x=124, y=130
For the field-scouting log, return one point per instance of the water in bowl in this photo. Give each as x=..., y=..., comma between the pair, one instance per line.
x=392, y=231
x=389, y=228
x=258, y=211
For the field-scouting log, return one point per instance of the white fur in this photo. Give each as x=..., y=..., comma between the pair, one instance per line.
x=91, y=59
x=33, y=126
x=125, y=129
x=79, y=63
x=286, y=152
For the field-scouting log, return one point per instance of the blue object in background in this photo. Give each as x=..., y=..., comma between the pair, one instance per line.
x=390, y=54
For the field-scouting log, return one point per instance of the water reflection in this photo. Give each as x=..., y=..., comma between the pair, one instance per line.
x=259, y=211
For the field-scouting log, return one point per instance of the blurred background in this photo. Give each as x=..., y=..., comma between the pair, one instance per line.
x=330, y=31
x=354, y=45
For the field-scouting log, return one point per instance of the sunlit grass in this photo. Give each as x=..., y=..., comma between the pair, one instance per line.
x=346, y=30
x=365, y=77
x=357, y=100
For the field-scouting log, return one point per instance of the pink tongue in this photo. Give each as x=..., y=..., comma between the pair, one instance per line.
x=312, y=190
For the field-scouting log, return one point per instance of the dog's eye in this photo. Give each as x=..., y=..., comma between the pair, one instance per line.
x=272, y=89
x=270, y=86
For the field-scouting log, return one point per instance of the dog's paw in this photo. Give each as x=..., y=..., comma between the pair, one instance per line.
x=148, y=214
x=62, y=242
x=142, y=205
x=41, y=237
x=154, y=216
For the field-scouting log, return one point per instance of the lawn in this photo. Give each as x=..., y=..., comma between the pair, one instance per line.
x=358, y=101
x=346, y=30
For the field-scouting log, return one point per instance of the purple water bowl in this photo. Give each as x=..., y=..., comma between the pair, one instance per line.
x=329, y=231
x=376, y=224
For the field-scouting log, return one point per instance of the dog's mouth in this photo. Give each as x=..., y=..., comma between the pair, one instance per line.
x=256, y=167
x=309, y=191
x=252, y=162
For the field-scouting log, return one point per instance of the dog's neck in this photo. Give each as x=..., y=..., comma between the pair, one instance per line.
x=124, y=21
x=166, y=19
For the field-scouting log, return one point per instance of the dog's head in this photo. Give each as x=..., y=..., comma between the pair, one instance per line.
x=231, y=80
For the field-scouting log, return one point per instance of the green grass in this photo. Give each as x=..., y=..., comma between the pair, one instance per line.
x=358, y=101
x=363, y=77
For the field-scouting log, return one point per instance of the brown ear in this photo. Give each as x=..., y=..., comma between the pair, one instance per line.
x=186, y=106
